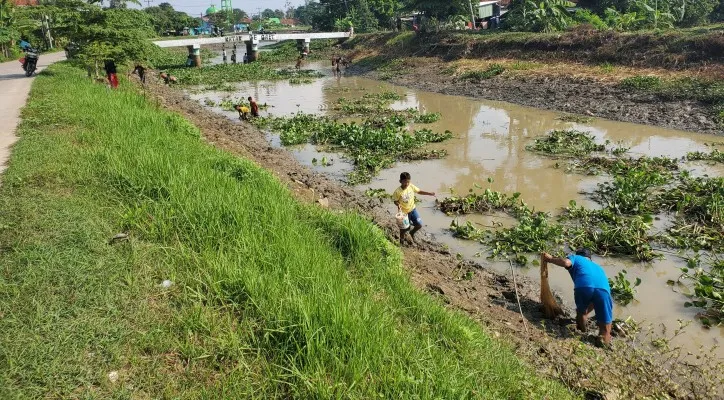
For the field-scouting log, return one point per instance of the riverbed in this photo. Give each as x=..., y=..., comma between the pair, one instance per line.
x=490, y=139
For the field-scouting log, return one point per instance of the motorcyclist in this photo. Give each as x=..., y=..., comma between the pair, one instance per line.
x=26, y=47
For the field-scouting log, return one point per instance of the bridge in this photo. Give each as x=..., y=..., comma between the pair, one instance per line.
x=251, y=41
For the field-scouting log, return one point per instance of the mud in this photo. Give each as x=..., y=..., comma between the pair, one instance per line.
x=572, y=94
x=554, y=348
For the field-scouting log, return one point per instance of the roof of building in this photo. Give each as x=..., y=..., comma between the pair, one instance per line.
x=25, y=2
x=211, y=10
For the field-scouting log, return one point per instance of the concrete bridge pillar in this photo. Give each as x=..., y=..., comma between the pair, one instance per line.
x=306, y=45
x=252, y=48
x=195, y=55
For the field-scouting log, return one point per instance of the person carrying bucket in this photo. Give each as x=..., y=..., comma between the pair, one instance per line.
x=404, y=198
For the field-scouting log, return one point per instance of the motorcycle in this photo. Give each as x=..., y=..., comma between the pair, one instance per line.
x=30, y=61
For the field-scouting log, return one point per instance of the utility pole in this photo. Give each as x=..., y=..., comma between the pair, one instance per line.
x=148, y=3
x=472, y=14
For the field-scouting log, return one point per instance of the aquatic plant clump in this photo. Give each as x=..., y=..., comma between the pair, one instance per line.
x=715, y=156
x=223, y=73
x=708, y=286
x=622, y=290
x=698, y=204
x=369, y=147
x=474, y=202
x=566, y=143
x=369, y=103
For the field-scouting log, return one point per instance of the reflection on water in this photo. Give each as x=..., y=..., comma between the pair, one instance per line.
x=490, y=143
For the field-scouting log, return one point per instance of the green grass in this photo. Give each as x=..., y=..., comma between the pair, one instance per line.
x=271, y=298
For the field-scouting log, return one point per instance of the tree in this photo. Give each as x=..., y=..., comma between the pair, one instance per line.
x=114, y=34
x=696, y=12
x=238, y=15
x=9, y=31
x=165, y=18
x=268, y=13
x=309, y=12
x=219, y=19
x=539, y=15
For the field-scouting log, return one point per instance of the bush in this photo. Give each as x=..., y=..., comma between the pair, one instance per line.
x=641, y=82
x=584, y=16
x=491, y=71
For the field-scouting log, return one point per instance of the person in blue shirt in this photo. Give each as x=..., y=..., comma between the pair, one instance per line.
x=591, y=290
x=24, y=44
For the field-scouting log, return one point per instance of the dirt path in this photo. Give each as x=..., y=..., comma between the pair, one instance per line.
x=553, y=347
x=14, y=91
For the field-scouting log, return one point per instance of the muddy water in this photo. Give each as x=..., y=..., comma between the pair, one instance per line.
x=490, y=143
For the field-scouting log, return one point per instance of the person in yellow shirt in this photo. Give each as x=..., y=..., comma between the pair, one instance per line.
x=404, y=198
x=243, y=112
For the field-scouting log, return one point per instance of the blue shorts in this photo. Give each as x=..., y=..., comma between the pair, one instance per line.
x=601, y=299
x=414, y=217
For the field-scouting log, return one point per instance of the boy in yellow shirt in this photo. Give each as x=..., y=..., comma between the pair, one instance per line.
x=404, y=198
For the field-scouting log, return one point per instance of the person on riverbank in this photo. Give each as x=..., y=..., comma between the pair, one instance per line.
x=404, y=198
x=243, y=112
x=110, y=67
x=168, y=78
x=254, y=107
x=223, y=55
x=233, y=56
x=141, y=71
x=591, y=291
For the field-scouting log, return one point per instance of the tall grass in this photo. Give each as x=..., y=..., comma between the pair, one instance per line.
x=271, y=298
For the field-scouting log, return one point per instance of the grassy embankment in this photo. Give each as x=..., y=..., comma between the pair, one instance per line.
x=271, y=298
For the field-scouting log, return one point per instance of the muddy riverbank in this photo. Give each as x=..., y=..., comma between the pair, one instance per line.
x=552, y=346
x=571, y=93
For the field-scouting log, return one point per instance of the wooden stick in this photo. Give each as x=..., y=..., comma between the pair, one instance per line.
x=515, y=284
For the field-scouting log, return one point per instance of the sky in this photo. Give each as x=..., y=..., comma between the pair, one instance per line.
x=194, y=7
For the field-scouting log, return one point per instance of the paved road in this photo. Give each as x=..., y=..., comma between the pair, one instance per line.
x=14, y=90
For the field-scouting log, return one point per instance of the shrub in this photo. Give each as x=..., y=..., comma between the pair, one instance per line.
x=641, y=82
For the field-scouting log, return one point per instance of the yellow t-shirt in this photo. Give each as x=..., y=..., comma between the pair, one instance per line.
x=406, y=197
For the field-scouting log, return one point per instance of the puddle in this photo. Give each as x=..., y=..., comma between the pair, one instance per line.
x=490, y=140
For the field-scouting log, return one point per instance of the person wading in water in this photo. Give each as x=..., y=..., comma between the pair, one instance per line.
x=591, y=291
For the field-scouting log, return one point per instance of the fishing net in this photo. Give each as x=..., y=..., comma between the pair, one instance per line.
x=551, y=309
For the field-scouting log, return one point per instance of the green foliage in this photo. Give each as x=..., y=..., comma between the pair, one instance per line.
x=286, y=51
x=270, y=297
x=165, y=19
x=369, y=146
x=584, y=16
x=474, y=202
x=377, y=193
x=567, y=143
x=698, y=204
x=539, y=16
x=708, y=289
x=696, y=12
x=622, y=290
x=632, y=188
x=641, y=82
x=714, y=156
x=220, y=73
x=491, y=71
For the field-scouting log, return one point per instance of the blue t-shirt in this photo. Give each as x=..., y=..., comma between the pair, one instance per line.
x=586, y=273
